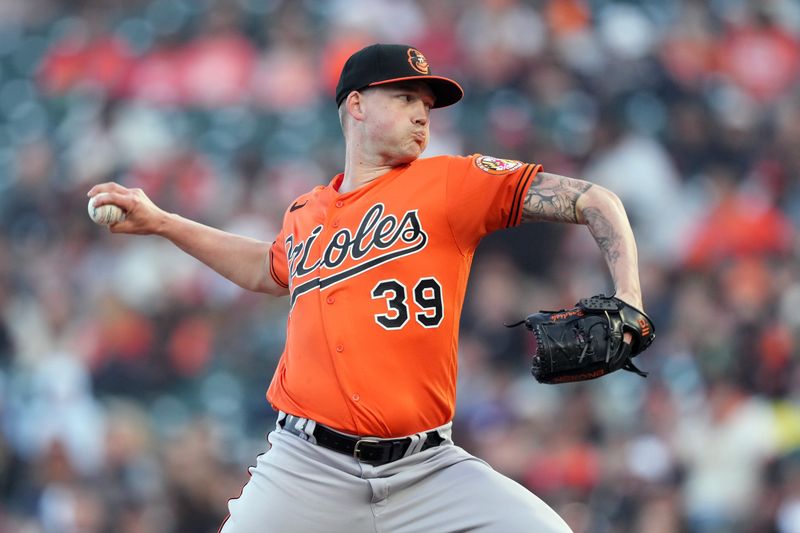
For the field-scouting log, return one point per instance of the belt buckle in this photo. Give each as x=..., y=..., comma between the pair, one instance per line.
x=357, y=451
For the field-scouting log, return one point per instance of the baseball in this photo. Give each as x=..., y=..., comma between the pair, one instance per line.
x=105, y=214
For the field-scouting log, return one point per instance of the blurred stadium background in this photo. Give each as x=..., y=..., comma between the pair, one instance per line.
x=132, y=378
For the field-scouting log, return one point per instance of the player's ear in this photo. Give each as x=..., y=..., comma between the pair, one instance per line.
x=354, y=105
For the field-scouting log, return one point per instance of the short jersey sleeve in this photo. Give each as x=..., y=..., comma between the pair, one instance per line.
x=278, y=263
x=485, y=194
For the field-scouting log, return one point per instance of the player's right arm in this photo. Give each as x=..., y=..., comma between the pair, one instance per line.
x=242, y=260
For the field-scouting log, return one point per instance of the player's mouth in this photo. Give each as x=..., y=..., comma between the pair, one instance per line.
x=419, y=138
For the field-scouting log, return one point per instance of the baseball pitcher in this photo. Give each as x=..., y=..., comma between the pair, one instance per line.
x=375, y=266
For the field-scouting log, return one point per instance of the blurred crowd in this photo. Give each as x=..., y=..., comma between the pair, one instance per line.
x=132, y=378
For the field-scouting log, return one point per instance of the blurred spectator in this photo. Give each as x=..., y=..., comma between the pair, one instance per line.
x=641, y=172
x=87, y=58
x=688, y=49
x=738, y=223
x=217, y=68
x=53, y=411
x=760, y=56
x=724, y=448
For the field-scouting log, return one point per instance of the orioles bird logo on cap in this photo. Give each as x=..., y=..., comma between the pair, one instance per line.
x=418, y=61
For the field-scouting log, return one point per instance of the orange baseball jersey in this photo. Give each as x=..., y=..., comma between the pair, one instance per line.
x=377, y=278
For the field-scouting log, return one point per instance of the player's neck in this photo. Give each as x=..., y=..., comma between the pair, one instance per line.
x=357, y=178
x=358, y=171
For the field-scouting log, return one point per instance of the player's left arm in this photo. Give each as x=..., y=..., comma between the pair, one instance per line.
x=557, y=198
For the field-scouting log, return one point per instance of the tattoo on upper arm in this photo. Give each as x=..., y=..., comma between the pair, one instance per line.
x=607, y=239
x=553, y=198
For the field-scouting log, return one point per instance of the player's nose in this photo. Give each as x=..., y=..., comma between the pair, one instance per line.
x=421, y=114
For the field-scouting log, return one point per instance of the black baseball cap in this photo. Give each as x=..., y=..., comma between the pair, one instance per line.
x=379, y=64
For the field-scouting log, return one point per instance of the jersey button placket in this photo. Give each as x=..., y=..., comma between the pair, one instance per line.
x=339, y=203
x=330, y=299
x=339, y=348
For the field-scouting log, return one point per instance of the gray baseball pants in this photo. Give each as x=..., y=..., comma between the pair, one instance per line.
x=298, y=486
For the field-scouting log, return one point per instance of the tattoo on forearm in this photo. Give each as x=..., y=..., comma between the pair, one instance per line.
x=553, y=198
x=607, y=239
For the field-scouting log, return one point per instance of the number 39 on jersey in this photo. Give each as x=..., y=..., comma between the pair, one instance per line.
x=426, y=304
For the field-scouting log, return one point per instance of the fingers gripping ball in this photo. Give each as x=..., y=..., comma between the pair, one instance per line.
x=586, y=342
x=105, y=214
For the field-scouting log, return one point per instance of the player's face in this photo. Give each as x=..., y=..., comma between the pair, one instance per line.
x=397, y=118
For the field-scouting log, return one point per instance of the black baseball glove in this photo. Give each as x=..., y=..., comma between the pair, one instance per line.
x=586, y=342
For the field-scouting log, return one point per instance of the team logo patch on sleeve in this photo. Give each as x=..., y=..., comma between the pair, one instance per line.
x=494, y=165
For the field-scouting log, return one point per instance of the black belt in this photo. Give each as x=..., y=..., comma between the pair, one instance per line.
x=368, y=450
